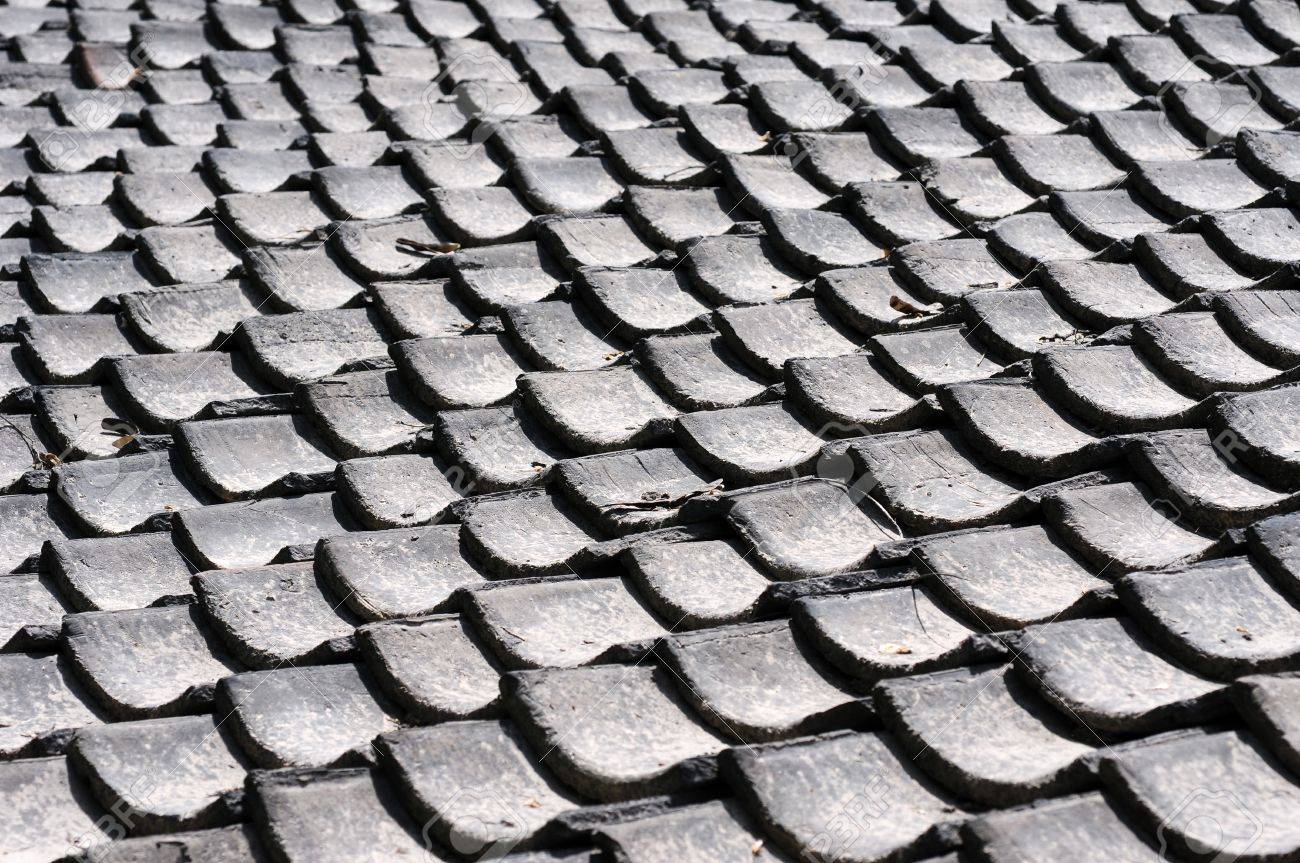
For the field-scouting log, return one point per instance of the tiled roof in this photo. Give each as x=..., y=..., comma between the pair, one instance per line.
x=650, y=431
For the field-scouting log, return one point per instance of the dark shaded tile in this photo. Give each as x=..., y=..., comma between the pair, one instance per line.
x=243, y=457
x=1122, y=527
x=1089, y=824
x=908, y=632
x=185, y=766
x=64, y=704
x=1013, y=425
x=253, y=533
x=1113, y=387
x=302, y=346
x=739, y=269
x=120, y=572
x=703, y=831
x=435, y=669
x=310, y=801
x=575, y=715
x=1103, y=294
x=269, y=616
x=183, y=318
x=53, y=808
x=516, y=800
x=558, y=622
x=117, y=495
x=301, y=279
x=1221, y=618
x=523, y=533
x=698, y=372
x=1185, y=264
x=807, y=528
x=1011, y=749
x=750, y=444
x=791, y=786
x=1106, y=675
x=696, y=584
x=496, y=448
x=315, y=716
x=1154, y=782
x=146, y=662
x=627, y=491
